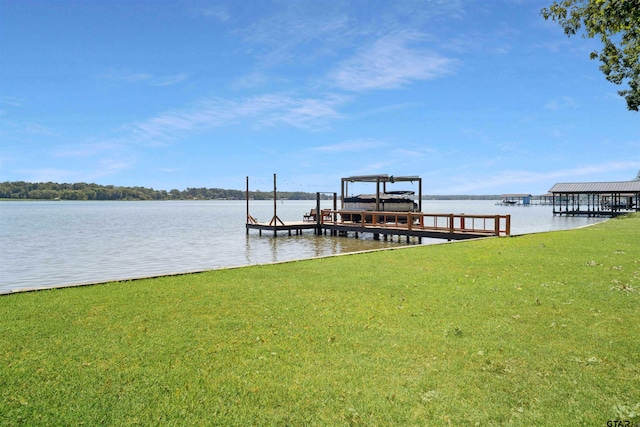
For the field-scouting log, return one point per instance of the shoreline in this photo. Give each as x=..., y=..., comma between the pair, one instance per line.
x=185, y=273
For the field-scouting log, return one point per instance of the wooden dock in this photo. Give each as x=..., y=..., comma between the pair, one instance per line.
x=290, y=227
x=416, y=224
x=386, y=223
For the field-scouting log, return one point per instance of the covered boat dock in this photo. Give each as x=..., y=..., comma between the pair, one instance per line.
x=383, y=179
x=596, y=198
x=515, y=200
x=409, y=223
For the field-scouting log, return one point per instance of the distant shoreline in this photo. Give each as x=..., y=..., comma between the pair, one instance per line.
x=428, y=197
x=20, y=190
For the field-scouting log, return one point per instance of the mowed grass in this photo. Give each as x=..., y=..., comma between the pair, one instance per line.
x=541, y=329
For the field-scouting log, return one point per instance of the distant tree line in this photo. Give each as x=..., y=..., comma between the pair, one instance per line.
x=84, y=191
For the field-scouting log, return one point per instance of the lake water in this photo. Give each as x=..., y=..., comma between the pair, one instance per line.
x=59, y=243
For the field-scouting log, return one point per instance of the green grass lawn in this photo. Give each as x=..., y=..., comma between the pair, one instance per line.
x=540, y=329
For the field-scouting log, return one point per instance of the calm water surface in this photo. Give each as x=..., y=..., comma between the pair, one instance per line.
x=56, y=243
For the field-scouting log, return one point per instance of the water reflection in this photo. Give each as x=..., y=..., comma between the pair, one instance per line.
x=307, y=245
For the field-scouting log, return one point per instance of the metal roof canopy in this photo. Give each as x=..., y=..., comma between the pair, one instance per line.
x=384, y=179
x=381, y=178
x=597, y=187
x=602, y=198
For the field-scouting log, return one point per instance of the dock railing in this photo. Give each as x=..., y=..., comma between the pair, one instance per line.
x=491, y=225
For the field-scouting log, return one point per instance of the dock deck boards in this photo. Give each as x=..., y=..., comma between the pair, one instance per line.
x=445, y=226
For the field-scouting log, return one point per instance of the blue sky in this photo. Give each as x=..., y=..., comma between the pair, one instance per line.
x=476, y=97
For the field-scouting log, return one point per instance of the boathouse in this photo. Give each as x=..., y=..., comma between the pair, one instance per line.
x=515, y=199
x=543, y=199
x=383, y=179
x=596, y=198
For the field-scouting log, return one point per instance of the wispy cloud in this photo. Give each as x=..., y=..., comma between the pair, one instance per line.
x=562, y=103
x=389, y=63
x=416, y=153
x=356, y=145
x=496, y=179
x=18, y=130
x=126, y=76
x=216, y=12
x=577, y=174
x=102, y=167
x=590, y=170
x=170, y=80
x=251, y=80
x=140, y=77
x=295, y=32
x=38, y=129
x=11, y=101
x=111, y=165
x=170, y=170
x=265, y=110
x=85, y=150
x=49, y=174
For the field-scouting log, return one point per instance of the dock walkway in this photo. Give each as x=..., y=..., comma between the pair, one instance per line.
x=416, y=224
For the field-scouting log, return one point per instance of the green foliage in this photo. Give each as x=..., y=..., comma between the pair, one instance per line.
x=83, y=191
x=529, y=330
x=617, y=24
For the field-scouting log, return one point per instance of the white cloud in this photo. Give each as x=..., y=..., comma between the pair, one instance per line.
x=498, y=181
x=562, y=103
x=48, y=174
x=293, y=31
x=126, y=76
x=169, y=80
x=358, y=145
x=590, y=170
x=133, y=77
x=390, y=63
x=216, y=12
x=103, y=167
x=11, y=101
x=265, y=110
x=85, y=150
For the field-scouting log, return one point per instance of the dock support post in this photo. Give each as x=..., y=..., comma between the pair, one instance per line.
x=247, y=197
x=275, y=204
x=335, y=215
x=318, y=216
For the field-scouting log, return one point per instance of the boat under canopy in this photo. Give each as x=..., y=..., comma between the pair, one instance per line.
x=392, y=202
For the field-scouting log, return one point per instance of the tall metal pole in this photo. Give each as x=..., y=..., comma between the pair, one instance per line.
x=318, y=215
x=247, y=197
x=377, y=193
